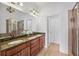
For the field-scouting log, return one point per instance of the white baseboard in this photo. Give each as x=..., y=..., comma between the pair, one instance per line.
x=45, y=46
x=62, y=51
x=56, y=42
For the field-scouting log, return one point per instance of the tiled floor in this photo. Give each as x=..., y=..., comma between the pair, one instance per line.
x=52, y=50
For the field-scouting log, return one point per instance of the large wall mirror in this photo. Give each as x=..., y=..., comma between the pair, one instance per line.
x=11, y=20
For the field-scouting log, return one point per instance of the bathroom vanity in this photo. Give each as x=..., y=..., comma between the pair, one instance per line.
x=23, y=45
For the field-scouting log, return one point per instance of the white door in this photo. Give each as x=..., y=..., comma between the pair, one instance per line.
x=50, y=30
x=53, y=29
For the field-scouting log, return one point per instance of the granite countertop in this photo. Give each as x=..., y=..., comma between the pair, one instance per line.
x=11, y=43
x=5, y=37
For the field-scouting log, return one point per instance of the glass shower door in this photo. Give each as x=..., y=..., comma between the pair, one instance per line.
x=78, y=25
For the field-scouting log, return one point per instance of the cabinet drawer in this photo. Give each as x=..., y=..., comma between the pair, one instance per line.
x=28, y=52
x=42, y=37
x=34, y=48
x=42, y=42
x=2, y=53
x=18, y=54
x=15, y=50
x=25, y=52
x=35, y=40
x=35, y=44
x=27, y=44
x=35, y=52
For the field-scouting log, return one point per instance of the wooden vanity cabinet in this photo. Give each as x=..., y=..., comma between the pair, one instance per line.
x=42, y=42
x=26, y=51
x=19, y=50
x=35, y=47
x=2, y=53
x=17, y=54
x=30, y=48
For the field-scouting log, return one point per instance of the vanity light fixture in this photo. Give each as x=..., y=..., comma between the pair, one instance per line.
x=10, y=9
x=17, y=3
x=21, y=4
x=34, y=12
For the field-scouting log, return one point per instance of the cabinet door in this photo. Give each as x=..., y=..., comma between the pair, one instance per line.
x=42, y=42
x=35, y=42
x=2, y=53
x=17, y=54
x=35, y=47
x=15, y=50
x=36, y=51
x=25, y=52
x=28, y=51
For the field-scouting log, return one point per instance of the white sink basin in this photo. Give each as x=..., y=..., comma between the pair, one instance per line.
x=34, y=37
x=16, y=42
x=31, y=38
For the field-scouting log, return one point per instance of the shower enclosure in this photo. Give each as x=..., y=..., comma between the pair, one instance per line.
x=73, y=30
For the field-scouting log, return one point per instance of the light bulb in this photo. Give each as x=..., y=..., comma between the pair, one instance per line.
x=21, y=4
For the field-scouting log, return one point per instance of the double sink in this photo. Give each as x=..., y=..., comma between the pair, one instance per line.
x=17, y=41
x=23, y=40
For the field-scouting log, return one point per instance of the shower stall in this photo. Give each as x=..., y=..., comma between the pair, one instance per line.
x=73, y=30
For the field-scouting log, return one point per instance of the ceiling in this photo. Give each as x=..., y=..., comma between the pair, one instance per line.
x=47, y=8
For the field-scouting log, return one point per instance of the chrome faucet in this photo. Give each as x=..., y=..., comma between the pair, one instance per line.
x=12, y=34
